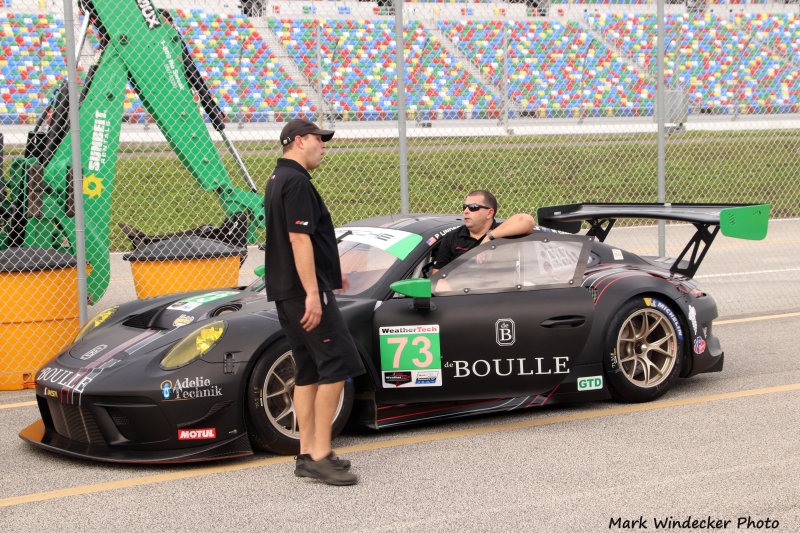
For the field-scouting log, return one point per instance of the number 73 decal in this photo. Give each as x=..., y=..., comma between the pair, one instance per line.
x=411, y=356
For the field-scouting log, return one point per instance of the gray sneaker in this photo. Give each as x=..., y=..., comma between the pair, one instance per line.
x=328, y=470
x=304, y=458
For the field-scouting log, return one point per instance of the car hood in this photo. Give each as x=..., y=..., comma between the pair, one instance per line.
x=144, y=331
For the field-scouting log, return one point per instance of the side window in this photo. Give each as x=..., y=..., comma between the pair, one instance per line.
x=532, y=262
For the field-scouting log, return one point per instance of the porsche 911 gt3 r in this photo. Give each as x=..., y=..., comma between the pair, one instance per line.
x=516, y=323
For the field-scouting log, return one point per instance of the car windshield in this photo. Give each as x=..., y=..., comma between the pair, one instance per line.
x=367, y=253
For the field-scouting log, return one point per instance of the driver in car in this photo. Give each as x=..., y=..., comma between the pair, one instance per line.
x=479, y=227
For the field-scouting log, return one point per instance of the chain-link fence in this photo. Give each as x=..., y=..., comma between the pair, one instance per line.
x=542, y=103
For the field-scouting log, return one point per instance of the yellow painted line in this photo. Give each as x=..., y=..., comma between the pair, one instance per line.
x=754, y=318
x=20, y=404
x=391, y=443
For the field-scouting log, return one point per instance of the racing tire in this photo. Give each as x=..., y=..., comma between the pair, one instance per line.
x=644, y=353
x=272, y=423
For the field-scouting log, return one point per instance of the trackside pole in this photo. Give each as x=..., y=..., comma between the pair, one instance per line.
x=660, y=114
x=77, y=168
x=399, y=44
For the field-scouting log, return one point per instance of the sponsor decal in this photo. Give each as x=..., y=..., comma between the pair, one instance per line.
x=590, y=383
x=504, y=332
x=97, y=149
x=94, y=351
x=661, y=306
x=519, y=366
x=427, y=377
x=149, y=14
x=399, y=243
x=50, y=392
x=189, y=389
x=693, y=318
x=412, y=351
x=66, y=379
x=699, y=345
x=194, y=302
x=395, y=379
x=197, y=434
x=617, y=253
x=183, y=320
x=166, y=389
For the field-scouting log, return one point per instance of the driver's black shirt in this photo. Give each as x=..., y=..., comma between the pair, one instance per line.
x=292, y=204
x=454, y=244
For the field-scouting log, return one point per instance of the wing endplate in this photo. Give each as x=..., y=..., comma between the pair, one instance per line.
x=746, y=222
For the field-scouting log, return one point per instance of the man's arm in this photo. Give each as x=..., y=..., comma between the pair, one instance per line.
x=518, y=224
x=303, y=253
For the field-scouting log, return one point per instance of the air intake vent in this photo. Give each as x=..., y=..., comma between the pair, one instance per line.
x=144, y=320
x=228, y=308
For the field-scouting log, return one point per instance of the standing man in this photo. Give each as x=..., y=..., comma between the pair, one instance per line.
x=302, y=271
x=479, y=227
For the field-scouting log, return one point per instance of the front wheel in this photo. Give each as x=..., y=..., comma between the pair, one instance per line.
x=272, y=422
x=644, y=353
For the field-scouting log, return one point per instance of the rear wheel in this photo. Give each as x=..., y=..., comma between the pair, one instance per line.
x=644, y=352
x=272, y=422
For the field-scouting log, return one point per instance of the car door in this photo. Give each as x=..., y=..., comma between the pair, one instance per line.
x=505, y=319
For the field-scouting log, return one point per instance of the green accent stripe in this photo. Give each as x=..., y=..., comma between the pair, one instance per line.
x=401, y=249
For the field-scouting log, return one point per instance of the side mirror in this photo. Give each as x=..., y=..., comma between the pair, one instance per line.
x=259, y=271
x=417, y=288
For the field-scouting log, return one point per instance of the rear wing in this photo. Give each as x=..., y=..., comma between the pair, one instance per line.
x=743, y=221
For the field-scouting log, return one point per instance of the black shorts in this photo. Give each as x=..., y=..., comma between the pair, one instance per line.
x=327, y=353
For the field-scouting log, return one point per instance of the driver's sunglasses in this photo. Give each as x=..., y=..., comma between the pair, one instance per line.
x=474, y=207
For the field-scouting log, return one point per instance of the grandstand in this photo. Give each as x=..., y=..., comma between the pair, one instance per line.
x=337, y=57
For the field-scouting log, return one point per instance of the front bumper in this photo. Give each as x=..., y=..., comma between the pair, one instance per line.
x=38, y=435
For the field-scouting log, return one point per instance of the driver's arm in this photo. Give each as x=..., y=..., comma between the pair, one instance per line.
x=518, y=224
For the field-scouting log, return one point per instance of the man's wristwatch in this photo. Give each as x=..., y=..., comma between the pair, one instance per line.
x=489, y=235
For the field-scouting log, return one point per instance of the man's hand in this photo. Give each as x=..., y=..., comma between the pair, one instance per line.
x=304, y=262
x=313, y=314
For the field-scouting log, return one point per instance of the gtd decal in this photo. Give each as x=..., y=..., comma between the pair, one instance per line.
x=196, y=434
x=590, y=383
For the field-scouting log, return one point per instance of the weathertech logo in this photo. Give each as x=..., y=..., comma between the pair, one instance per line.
x=196, y=434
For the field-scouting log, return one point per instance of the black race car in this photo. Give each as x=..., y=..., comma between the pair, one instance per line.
x=515, y=323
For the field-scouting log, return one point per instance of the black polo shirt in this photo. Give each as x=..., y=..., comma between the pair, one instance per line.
x=292, y=204
x=454, y=244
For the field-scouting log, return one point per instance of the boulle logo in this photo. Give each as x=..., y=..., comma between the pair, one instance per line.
x=504, y=332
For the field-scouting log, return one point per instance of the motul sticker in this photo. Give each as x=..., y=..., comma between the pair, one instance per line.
x=197, y=434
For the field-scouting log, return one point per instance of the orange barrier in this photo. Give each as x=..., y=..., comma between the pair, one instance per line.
x=41, y=318
x=181, y=264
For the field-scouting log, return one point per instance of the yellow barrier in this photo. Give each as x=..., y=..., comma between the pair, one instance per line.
x=182, y=264
x=41, y=317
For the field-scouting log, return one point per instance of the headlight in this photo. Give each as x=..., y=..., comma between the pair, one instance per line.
x=194, y=345
x=95, y=322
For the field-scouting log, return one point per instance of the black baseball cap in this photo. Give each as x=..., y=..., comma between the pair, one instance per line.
x=301, y=126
